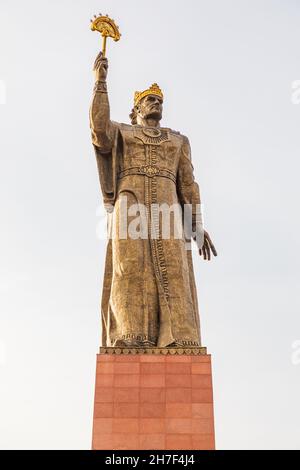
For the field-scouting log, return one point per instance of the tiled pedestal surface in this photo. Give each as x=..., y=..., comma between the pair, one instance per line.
x=153, y=402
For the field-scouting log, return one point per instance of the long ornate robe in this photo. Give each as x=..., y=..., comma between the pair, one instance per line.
x=149, y=296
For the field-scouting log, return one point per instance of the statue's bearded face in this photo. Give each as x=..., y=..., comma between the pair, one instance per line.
x=150, y=107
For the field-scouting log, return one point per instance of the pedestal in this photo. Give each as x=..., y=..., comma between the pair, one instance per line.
x=153, y=399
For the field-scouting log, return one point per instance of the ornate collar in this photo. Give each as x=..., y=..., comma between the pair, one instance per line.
x=151, y=135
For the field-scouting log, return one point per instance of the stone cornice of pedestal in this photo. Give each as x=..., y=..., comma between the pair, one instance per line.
x=197, y=351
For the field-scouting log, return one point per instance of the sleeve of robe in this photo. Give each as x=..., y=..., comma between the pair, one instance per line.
x=189, y=194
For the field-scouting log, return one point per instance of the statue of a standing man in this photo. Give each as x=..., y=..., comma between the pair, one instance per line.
x=149, y=295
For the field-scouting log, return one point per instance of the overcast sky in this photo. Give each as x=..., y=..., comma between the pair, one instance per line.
x=227, y=69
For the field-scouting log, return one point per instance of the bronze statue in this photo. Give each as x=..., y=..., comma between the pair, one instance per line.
x=149, y=295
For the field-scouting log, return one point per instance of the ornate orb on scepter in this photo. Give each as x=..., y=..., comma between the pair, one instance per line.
x=107, y=28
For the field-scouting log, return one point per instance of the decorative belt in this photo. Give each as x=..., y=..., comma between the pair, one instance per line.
x=148, y=170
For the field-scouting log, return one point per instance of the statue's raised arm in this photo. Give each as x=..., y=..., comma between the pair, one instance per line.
x=104, y=133
x=102, y=127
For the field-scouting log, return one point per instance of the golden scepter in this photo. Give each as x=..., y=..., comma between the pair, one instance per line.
x=107, y=28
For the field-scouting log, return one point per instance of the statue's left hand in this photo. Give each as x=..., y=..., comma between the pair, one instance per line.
x=207, y=247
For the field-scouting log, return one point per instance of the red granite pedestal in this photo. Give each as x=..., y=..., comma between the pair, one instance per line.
x=153, y=401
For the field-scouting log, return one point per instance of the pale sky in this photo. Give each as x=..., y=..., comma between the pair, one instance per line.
x=227, y=68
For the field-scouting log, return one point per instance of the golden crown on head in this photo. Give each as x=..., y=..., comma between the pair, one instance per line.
x=153, y=90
